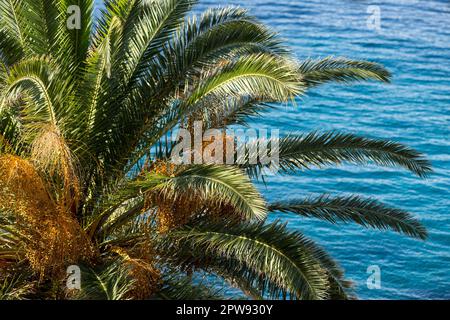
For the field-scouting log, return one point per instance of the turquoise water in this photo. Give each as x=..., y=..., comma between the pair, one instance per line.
x=414, y=43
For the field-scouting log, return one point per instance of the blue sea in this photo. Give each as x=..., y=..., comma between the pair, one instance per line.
x=413, y=41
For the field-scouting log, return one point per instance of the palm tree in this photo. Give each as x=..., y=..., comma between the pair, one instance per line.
x=86, y=177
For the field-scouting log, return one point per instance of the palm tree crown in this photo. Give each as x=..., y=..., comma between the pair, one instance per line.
x=86, y=116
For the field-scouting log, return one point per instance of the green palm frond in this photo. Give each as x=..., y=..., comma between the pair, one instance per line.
x=108, y=282
x=260, y=75
x=213, y=183
x=242, y=276
x=182, y=287
x=10, y=133
x=150, y=26
x=94, y=110
x=366, y=212
x=125, y=214
x=12, y=20
x=330, y=69
x=218, y=34
x=137, y=75
x=232, y=112
x=95, y=81
x=332, y=148
x=238, y=275
x=42, y=26
x=14, y=288
x=76, y=41
x=286, y=259
x=112, y=8
x=233, y=271
x=33, y=78
x=10, y=52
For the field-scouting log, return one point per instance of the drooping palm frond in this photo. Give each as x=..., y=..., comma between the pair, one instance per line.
x=45, y=98
x=330, y=69
x=259, y=75
x=182, y=287
x=233, y=271
x=240, y=275
x=366, y=212
x=288, y=260
x=331, y=148
x=215, y=183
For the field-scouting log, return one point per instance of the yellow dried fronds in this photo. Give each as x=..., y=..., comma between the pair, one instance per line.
x=163, y=167
x=52, y=155
x=141, y=263
x=148, y=279
x=5, y=146
x=54, y=237
x=175, y=213
x=57, y=241
x=171, y=212
x=209, y=148
x=21, y=187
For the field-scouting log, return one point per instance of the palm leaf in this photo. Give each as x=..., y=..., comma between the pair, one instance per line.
x=286, y=259
x=12, y=20
x=78, y=40
x=42, y=19
x=258, y=75
x=366, y=212
x=316, y=72
x=331, y=148
x=33, y=77
x=217, y=34
x=14, y=287
x=215, y=183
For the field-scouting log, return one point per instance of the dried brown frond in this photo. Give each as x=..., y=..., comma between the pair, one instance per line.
x=141, y=261
x=53, y=156
x=54, y=238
